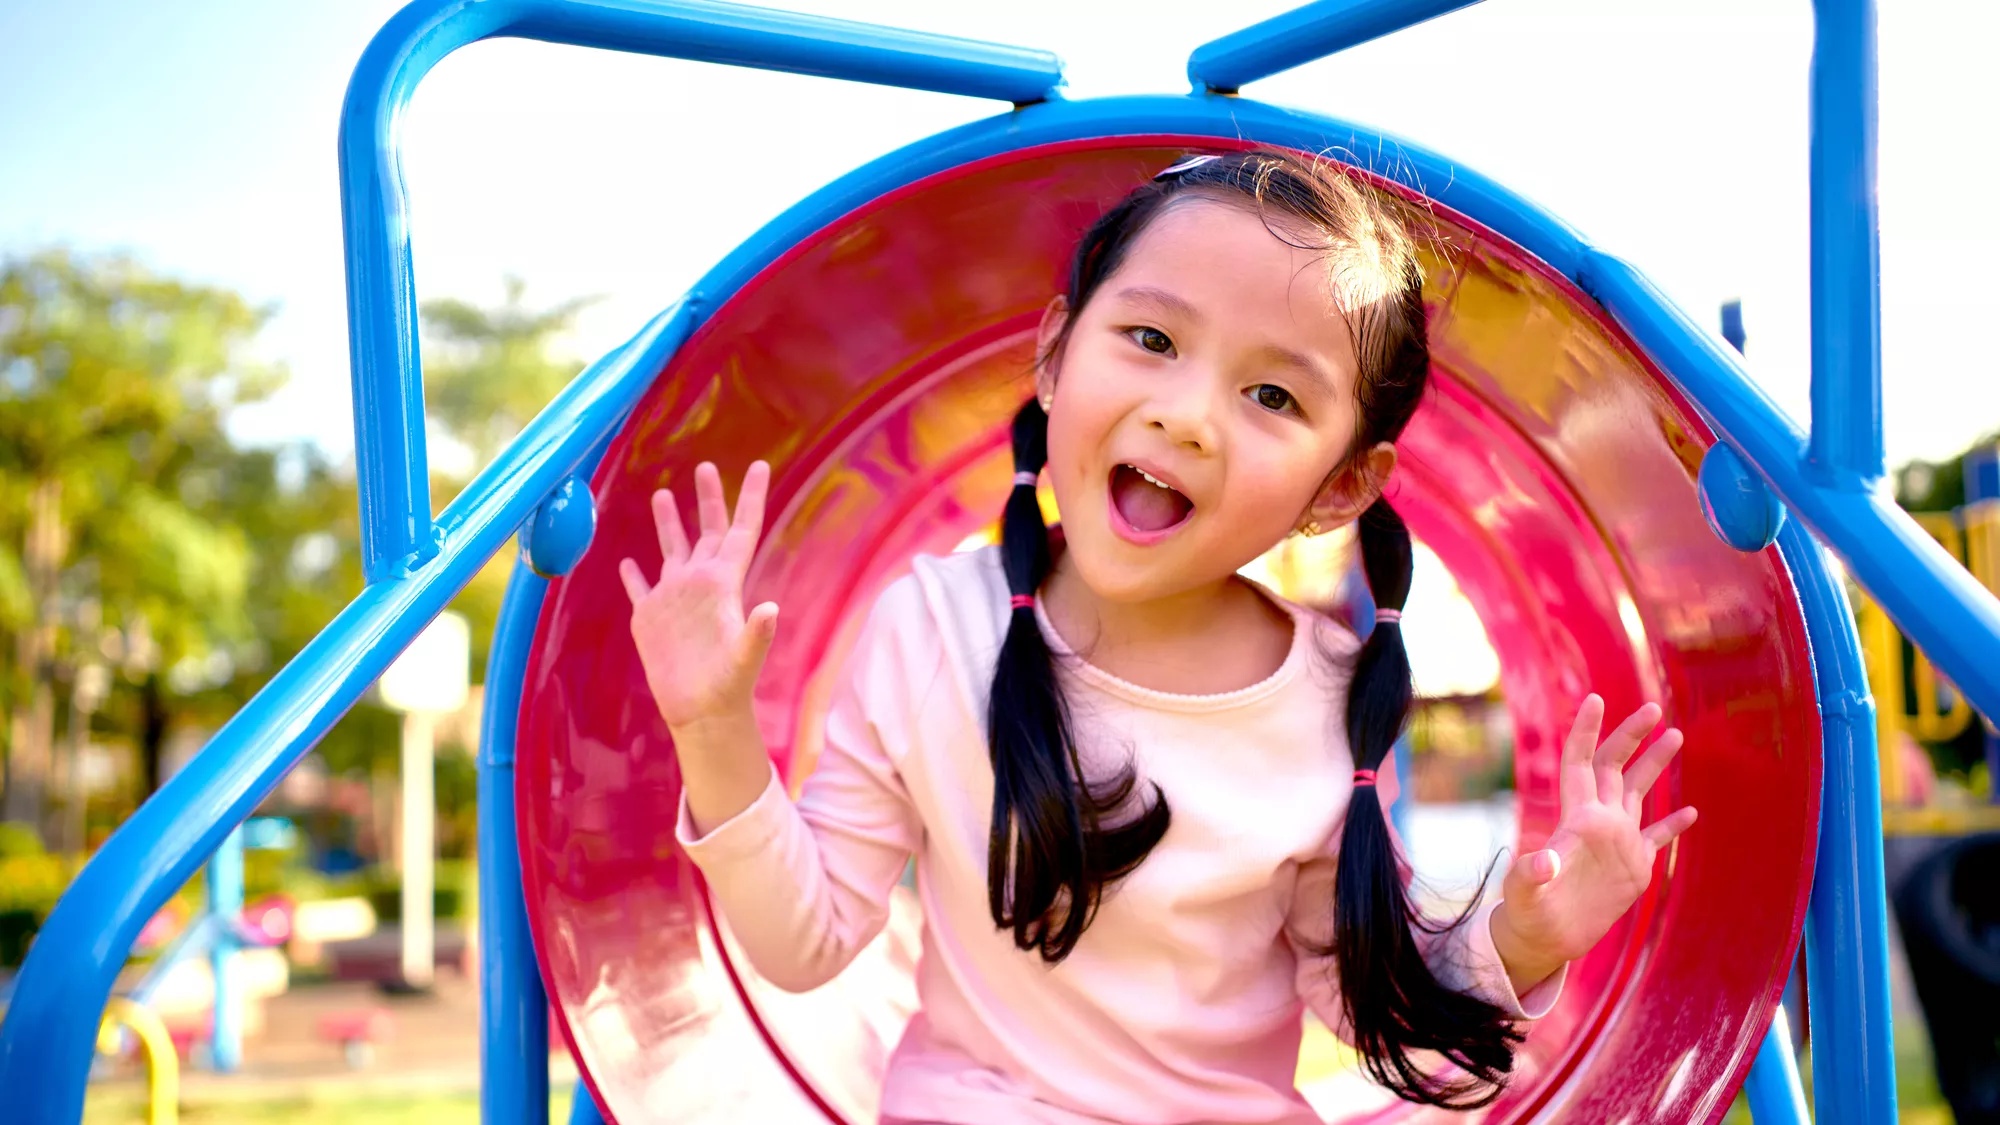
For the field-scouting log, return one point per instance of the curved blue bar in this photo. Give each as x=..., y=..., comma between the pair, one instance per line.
x=513, y=1008
x=390, y=457
x=1954, y=619
x=1303, y=34
x=1847, y=919
x=1773, y=1086
x=1846, y=260
x=51, y=1025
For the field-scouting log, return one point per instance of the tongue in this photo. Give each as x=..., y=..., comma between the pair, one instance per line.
x=1145, y=505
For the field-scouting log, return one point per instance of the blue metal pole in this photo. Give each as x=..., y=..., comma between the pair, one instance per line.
x=583, y=1110
x=1399, y=809
x=1313, y=31
x=390, y=460
x=51, y=1027
x=1982, y=486
x=1954, y=619
x=513, y=1008
x=225, y=907
x=1846, y=448
x=1847, y=921
x=1773, y=1089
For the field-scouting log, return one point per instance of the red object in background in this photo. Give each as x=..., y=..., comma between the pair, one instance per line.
x=162, y=927
x=270, y=919
x=876, y=365
x=370, y=1024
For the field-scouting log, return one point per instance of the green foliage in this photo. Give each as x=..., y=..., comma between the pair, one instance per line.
x=488, y=371
x=29, y=887
x=115, y=385
x=1936, y=486
x=32, y=883
x=451, y=891
x=190, y=567
x=19, y=841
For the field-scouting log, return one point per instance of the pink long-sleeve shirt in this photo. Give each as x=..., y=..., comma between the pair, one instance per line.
x=1182, y=1003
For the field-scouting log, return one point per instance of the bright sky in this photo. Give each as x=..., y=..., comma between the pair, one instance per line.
x=200, y=135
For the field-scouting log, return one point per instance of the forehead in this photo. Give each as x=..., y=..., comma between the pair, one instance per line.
x=1234, y=267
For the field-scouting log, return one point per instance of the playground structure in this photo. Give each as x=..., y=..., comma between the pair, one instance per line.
x=1913, y=701
x=1626, y=510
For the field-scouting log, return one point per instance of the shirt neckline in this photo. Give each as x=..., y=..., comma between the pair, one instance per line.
x=1097, y=677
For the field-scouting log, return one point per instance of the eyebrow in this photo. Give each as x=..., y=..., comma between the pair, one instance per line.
x=1160, y=299
x=1304, y=365
x=1174, y=305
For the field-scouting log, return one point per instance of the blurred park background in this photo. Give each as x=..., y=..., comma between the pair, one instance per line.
x=177, y=511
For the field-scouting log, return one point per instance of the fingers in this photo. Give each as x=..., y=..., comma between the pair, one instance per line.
x=1539, y=868
x=749, y=521
x=1577, y=785
x=713, y=510
x=1644, y=772
x=1617, y=750
x=1662, y=831
x=667, y=524
x=759, y=630
x=636, y=586
x=1529, y=879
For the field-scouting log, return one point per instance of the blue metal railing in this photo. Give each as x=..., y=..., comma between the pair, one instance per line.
x=414, y=565
x=1302, y=35
x=390, y=460
x=45, y=1043
x=1846, y=449
x=513, y=1008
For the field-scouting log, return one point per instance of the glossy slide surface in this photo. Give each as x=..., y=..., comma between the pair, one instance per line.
x=875, y=362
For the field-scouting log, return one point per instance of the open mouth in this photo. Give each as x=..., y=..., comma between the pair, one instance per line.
x=1146, y=503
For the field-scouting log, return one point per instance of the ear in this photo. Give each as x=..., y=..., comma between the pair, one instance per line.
x=1349, y=491
x=1046, y=360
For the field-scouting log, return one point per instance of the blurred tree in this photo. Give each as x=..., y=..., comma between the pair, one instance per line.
x=1936, y=486
x=487, y=373
x=116, y=546
x=152, y=573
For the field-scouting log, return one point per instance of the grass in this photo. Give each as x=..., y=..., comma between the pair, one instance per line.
x=1917, y=1096
x=127, y=1108
x=1918, y=1099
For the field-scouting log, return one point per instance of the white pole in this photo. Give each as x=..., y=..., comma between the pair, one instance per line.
x=419, y=849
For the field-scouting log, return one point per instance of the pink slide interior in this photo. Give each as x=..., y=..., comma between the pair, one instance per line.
x=875, y=366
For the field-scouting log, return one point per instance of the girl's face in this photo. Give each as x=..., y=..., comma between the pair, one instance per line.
x=1201, y=404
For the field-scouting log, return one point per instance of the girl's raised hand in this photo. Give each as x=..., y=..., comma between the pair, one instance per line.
x=1561, y=900
x=701, y=653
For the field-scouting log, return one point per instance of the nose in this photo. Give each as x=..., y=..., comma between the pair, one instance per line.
x=1184, y=411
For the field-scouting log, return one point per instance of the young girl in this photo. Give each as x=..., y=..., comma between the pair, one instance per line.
x=1140, y=790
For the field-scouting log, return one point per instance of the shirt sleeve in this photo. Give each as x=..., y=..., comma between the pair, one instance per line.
x=806, y=886
x=1462, y=958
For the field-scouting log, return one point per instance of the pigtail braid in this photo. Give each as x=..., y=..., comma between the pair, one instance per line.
x=1051, y=849
x=1393, y=1003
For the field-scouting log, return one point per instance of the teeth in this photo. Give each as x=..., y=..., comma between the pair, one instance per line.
x=1150, y=477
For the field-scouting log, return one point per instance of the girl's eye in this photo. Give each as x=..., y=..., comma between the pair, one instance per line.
x=1273, y=397
x=1152, y=339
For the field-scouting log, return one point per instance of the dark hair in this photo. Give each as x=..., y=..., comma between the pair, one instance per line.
x=1059, y=838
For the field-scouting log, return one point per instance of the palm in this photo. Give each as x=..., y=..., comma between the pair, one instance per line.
x=1602, y=856
x=700, y=652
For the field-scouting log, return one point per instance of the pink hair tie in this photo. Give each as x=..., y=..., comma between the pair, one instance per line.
x=1022, y=601
x=1363, y=777
x=1388, y=616
x=1025, y=477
